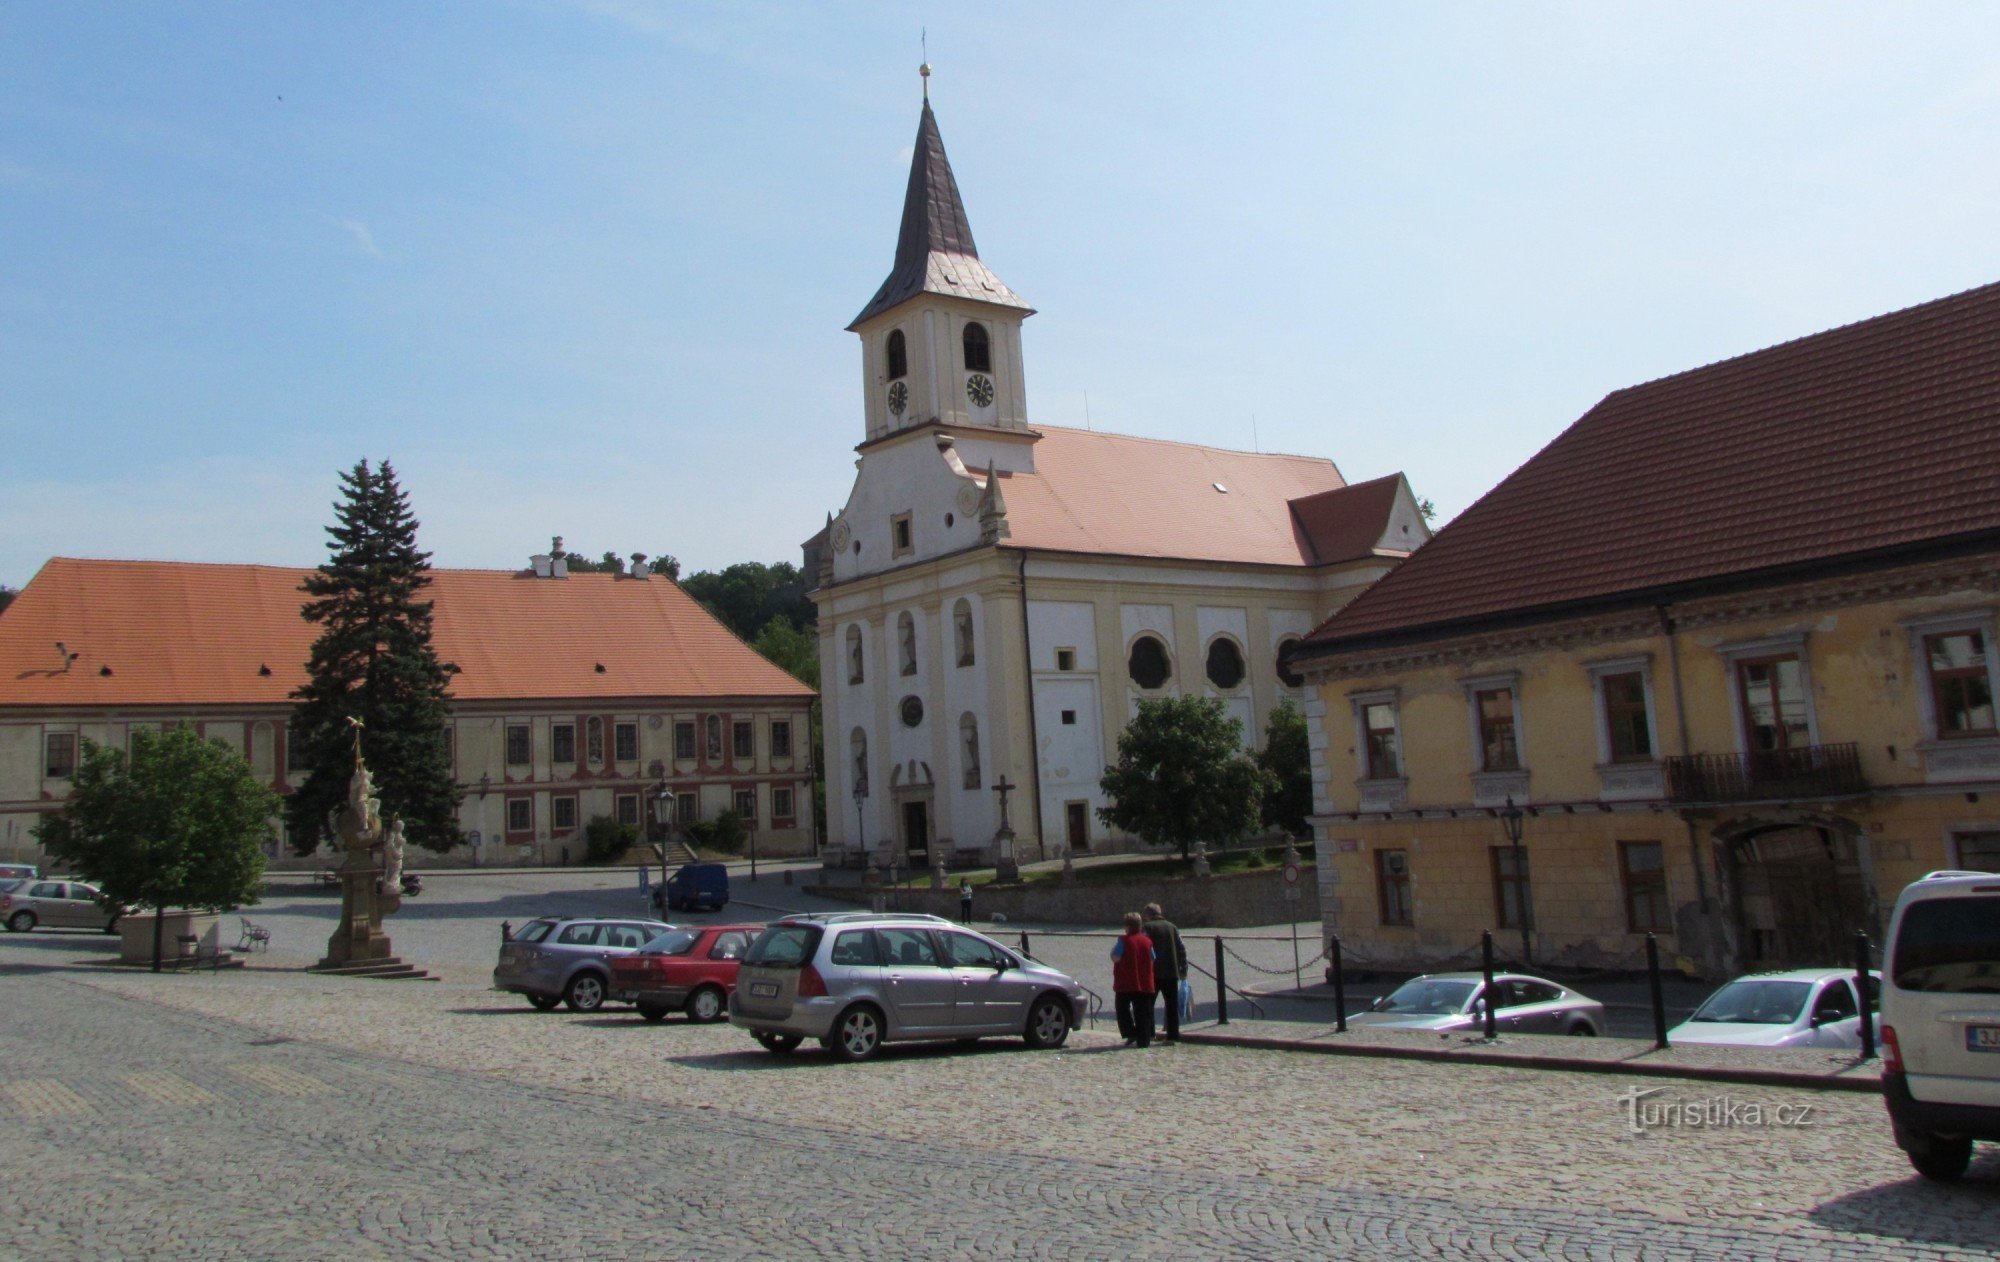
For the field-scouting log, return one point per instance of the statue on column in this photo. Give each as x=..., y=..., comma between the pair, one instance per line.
x=365, y=896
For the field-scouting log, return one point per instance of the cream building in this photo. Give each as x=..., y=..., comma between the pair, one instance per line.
x=995, y=598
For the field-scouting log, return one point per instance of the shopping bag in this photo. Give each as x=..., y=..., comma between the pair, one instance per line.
x=1187, y=1000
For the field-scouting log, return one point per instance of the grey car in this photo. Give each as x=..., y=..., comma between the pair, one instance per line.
x=1457, y=1001
x=29, y=904
x=562, y=959
x=856, y=980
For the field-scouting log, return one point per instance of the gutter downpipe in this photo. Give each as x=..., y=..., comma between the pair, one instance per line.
x=1668, y=629
x=1034, y=736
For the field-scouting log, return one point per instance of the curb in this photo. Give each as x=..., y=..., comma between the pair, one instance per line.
x=1565, y=1064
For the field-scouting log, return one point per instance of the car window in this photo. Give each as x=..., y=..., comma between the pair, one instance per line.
x=673, y=942
x=47, y=889
x=1836, y=1002
x=84, y=892
x=1950, y=945
x=729, y=946
x=1534, y=992
x=631, y=936
x=1755, y=1001
x=783, y=946
x=907, y=948
x=8, y=887
x=855, y=949
x=1426, y=996
x=579, y=935
x=534, y=931
x=966, y=951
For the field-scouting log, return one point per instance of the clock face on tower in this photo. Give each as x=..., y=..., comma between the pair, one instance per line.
x=899, y=397
x=979, y=388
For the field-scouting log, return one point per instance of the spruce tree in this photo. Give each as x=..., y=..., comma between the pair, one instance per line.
x=373, y=661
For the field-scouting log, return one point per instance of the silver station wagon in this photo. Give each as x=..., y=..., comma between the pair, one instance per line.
x=855, y=980
x=567, y=959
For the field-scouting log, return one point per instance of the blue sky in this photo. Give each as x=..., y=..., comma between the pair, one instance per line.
x=583, y=268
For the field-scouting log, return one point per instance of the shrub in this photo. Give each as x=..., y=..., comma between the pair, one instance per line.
x=725, y=833
x=605, y=840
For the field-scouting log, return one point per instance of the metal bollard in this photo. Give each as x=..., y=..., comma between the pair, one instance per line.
x=506, y=931
x=1659, y=1001
x=1024, y=945
x=1486, y=995
x=1339, y=985
x=1861, y=983
x=1221, y=986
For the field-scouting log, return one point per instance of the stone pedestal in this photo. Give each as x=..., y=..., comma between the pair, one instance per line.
x=1201, y=859
x=135, y=934
x=1005, y=868
x=359, y=939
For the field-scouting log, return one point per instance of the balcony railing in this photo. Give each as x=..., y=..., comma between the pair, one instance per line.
x=1808, y=771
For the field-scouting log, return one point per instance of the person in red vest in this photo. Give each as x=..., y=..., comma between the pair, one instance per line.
x=1133, y=981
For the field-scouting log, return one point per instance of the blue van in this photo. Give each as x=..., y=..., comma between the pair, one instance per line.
x=697, y=887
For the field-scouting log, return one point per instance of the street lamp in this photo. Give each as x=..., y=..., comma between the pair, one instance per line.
x=753, y=849
x=1510, y=821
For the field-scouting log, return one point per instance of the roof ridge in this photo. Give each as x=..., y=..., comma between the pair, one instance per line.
x=1182, y=442
x=1774, y=347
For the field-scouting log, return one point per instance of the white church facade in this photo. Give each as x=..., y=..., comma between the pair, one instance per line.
x=996, y=598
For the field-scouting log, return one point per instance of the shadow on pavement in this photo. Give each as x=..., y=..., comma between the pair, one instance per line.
x=1959, y=1216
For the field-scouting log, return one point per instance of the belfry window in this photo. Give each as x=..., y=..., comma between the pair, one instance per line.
x=897, y=355
x=978, y=351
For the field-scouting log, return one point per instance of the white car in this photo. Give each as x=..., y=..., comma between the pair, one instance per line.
x=1806, y=1007
x=1941, y=1020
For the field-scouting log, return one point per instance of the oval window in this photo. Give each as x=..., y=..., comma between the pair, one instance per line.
x=1290, y=677
x=1148, y=665
x=1225, y=663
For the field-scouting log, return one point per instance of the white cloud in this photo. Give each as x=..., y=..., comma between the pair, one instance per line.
x=364, y=240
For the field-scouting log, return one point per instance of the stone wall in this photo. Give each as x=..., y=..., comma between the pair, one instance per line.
x=1236, y=900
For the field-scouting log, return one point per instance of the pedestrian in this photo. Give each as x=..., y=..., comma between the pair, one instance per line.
x=1132, y=980
x=1170, y=966
x=964, y=901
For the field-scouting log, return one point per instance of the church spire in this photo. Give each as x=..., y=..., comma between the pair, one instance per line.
x=934, y=249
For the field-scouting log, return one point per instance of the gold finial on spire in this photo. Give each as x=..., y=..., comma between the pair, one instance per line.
x=925, y=69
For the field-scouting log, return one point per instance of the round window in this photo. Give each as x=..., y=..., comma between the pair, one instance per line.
x=1148, y=665
x=913, y=711
x=1225, y=663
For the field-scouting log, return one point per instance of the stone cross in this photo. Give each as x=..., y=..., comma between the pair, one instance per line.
x=1003, y=788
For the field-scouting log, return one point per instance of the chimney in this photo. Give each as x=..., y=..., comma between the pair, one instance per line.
x=559, y=565
x=639, y=570
x=540, y=564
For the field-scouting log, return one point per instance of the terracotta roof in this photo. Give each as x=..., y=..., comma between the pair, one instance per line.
x=1348, y=523
x=934, y=249
x=1146, y=497
x=1870, y=437
x=174, y=633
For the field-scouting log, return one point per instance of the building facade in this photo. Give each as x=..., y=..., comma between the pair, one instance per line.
x=577, y=696
x=995, y=599
x=1740, y=711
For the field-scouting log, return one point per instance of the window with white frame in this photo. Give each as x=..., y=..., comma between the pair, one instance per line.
x=781, y=803
x=1978, y=850
x=1959, y=678
x=59, y=755
x=746, y=803
x=1771, y=691
x=684, y=739
x=625, y=742
x=1378, y=735
x=1495, y=710
x=781, y=738
x=1623, y=690
x=743, y=738
x=562, y=812
x=625, y=808
x=518, y=749
x=520, y=815
x=562, y=742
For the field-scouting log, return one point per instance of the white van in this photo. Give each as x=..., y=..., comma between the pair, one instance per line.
x=1941, y=1020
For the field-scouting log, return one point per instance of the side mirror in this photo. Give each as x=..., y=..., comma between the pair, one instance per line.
x=1000, y=966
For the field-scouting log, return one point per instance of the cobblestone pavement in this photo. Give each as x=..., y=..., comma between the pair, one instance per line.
x=277, y=1114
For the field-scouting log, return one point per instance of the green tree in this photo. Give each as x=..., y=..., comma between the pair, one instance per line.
x=1181, y=775
x=373, y=662
x=182, y=825
x=7, y=595
x=1287, y=763
x=726, y=833
x=749, y=594
x=791, y=649
x=612, y=563
x=605, y=840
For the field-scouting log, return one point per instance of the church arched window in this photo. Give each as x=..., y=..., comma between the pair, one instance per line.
x=854, y=655
x=961, y=623
x=906, y=642
x=1148, y=664
x=1225, y=663
x=978, y=351
x=897, y=354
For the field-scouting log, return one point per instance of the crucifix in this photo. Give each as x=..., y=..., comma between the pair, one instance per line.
x=1005, y=868
x=1003, y=788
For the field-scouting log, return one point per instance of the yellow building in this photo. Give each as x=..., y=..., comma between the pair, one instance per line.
x=1726, y=644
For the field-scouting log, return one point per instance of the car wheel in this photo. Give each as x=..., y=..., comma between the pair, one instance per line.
x=1583, y=1030
x=857, y=1035
x=652, y=1013
x=705, y=1005
x=1048, y=1023
x=21, y=921
x=779, y=1044
x=1942, y=1160
x=585, y=993
x=546, y=1003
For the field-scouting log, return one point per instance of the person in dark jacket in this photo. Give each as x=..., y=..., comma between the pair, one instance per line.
x=1170, y=965
x=1132, y=980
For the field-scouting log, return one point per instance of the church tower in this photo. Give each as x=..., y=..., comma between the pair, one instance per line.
x=941, y=339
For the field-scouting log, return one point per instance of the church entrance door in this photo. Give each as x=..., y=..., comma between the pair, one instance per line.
x=917, y=834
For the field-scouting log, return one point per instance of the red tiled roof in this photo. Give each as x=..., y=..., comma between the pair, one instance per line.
x=173, y=633
x=1869, y=437
x=1145, y=497
x=1348, y=523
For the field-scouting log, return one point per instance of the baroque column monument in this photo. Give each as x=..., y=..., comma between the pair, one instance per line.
x=369, y=890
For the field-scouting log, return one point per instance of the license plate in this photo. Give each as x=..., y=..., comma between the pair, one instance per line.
x=1982, y=1038
x=765, y=990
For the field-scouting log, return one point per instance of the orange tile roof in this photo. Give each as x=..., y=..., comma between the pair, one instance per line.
x=176, y=633
x=1876, y=436
x=1118, y=495
x=1348, y=523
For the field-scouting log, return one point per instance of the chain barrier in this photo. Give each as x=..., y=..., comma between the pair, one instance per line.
x=1255, y=967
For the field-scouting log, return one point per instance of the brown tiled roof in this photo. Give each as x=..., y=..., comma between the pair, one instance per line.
x=180, y=634
x=1348, y=523
x=1867, y=438
x=1145, y=497
x=934, y=249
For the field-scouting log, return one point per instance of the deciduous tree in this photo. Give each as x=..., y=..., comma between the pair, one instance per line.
x=1287, y=762
x=182, y=824
x=1182, y=776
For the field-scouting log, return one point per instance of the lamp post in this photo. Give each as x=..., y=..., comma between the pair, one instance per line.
x=1510, y=820
x=861, y=823
x=753, y=849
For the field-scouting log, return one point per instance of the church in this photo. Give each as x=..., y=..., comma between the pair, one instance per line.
x=996, y=597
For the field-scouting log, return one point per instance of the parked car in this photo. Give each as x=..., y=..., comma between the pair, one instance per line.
x=27, y=904
x=691, y=969
x=1456, y=1001
x=694, y=887
x=1805, y=1007
x=19, y=871
x=855, y=980
x=558, y=959
x=1941, y=1020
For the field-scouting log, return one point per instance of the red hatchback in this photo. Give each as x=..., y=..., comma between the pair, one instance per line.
x=693, y=969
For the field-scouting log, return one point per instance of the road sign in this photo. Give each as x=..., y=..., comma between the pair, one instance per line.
x=1291, y=875
x=1291, y=893
x=475, y=837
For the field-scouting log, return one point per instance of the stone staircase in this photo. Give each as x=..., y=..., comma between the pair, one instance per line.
x=673, y=853
x=389, y=969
